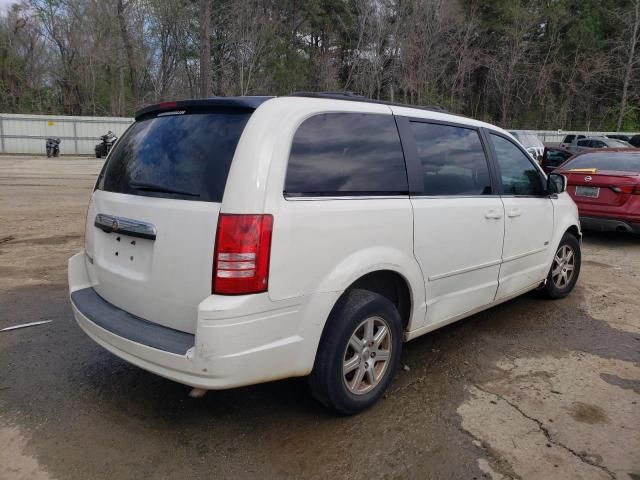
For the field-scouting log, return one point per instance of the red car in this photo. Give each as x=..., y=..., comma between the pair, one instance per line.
x=606, y=187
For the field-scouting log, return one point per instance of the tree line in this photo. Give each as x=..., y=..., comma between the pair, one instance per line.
x=544, y=64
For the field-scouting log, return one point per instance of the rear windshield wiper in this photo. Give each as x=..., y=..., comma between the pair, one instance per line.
x=153, y=187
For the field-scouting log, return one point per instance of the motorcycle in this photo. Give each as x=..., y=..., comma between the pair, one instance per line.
x=107, y=141
x=53, y=147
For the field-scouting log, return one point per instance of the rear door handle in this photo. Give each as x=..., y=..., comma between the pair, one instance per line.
x=514, y=212
x=493, y=215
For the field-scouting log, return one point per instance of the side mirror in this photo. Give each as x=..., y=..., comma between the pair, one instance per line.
x=556, y=183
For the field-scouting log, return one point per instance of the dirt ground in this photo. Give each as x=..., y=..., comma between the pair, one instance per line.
x=529, y=389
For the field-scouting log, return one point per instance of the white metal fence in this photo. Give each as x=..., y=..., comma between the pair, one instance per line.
x=78, y=135
x=556, y=136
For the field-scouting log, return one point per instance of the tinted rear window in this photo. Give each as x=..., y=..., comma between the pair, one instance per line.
x=617, y=162
x=346, y=154
x=176, y=156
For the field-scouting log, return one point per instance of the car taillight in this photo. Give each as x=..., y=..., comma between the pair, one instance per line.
x=629, y=189
x=241, y=257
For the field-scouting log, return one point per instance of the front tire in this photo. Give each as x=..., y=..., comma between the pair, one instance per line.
x=359, y=352
x=565, y=268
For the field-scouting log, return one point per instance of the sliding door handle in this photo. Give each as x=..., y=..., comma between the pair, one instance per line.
x=514, y=212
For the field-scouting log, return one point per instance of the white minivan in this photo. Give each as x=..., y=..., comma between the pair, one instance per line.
x=232, y=241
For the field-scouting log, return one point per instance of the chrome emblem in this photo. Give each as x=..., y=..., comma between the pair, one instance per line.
x=115, y=224
x=587, y=178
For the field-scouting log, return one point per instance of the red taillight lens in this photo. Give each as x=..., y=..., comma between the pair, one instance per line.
x=241, y=257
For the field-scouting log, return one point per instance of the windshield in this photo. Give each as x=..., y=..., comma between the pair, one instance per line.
x=184, y=156
x=615, y=143
x=617, y=162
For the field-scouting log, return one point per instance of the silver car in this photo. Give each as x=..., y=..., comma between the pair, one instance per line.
x=588, y=143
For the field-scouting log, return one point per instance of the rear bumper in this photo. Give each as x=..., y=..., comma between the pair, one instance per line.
x=238, y=341
x=602, y=224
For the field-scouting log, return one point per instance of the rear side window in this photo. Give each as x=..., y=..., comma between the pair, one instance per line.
x=342, y=154
x=452, y=160
x=182, y=156
x=518, y=174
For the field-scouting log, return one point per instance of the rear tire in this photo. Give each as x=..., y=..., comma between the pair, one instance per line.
x=565, y=269
x=359, y=352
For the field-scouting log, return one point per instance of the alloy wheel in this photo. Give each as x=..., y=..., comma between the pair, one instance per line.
x=563, y=266
x=367, y=356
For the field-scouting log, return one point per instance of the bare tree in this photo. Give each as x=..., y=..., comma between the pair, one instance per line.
x=632, y=34
x=205, y=47
x=134, y=78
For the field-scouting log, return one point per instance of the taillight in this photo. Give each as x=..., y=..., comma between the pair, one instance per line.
x=241, y=257
x=628, y=189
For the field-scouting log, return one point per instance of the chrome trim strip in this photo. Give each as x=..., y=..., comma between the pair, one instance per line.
x=464, y=270
x=436, y=197
x=363, y=197
x=126, y=226
x=525, y=254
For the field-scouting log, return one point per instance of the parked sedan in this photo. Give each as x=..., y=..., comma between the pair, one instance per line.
x=606, y=187
x=553, y=157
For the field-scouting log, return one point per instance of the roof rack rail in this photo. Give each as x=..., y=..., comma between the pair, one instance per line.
x=355, y=97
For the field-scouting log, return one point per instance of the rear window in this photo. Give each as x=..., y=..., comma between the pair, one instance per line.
x=344, y=154
x=617, y=162
x=183, y=156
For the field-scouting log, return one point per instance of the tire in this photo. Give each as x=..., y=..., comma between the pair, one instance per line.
x=557, y=286
x=354, y=315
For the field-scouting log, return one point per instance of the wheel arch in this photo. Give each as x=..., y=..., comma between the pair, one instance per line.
x=391, y=285
x=575, y=231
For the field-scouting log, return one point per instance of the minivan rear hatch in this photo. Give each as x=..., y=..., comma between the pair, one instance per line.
x=152, y=219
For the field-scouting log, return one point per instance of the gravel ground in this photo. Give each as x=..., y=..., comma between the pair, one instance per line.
x=529, y=389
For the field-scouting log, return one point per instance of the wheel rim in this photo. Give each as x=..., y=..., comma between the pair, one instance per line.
x=564, y=266
x=367, y=356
